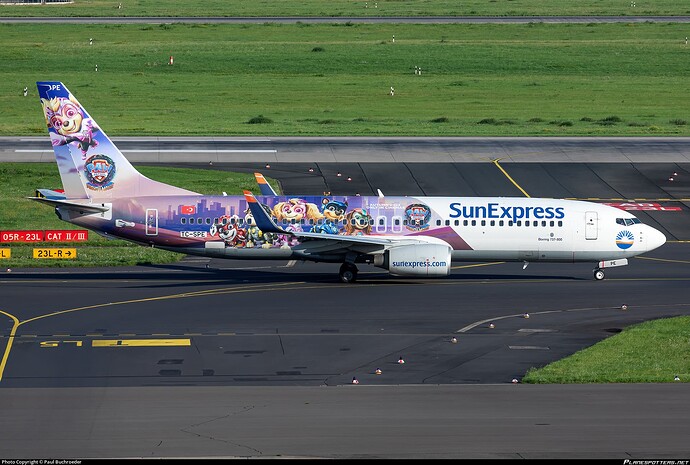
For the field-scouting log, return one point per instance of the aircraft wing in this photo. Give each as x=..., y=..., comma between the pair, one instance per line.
x=336, y=242
x=75, y=206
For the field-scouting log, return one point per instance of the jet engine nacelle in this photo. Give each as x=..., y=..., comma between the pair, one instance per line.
x=416, y=260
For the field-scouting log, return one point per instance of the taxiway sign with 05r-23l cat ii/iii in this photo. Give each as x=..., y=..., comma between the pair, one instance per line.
x=408, y=236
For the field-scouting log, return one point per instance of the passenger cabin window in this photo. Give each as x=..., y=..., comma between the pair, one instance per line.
x=183, y=220
x=457, y=222
x=447, y=222
x=438, y=222
x=465, y=222
x=560, y=223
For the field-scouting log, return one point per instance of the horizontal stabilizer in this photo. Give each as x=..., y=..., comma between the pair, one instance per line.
x=50, y=194
x=75, y=206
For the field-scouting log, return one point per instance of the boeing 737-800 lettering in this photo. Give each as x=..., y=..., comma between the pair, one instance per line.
x=408, y=236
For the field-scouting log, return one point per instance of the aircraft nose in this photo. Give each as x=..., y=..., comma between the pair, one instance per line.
x=655, y=239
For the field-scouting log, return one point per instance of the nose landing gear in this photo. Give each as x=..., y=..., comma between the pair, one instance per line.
x=598, y=274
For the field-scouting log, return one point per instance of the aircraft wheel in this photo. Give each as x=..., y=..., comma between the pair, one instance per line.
x=348, y=273
x=598, y=274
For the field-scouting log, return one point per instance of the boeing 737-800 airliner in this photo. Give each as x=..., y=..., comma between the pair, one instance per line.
x=408, y=236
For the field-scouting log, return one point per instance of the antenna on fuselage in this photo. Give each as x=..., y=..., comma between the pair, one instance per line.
x=380, y=193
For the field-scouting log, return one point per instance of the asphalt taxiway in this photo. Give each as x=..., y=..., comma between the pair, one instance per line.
x=234, y=323
x=247, y=360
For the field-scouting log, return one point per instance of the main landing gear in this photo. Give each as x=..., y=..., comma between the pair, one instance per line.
x=348, y=273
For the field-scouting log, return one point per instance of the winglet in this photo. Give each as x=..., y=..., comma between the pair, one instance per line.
x=263, y=221
x=264, y=186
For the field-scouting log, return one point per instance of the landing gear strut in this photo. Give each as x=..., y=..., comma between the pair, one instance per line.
x=348, y=273
x=598, y=274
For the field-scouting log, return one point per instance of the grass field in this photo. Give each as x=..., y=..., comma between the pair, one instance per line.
x=651, y=352
x=531, y=79
x=350, y=8
x=19, y=180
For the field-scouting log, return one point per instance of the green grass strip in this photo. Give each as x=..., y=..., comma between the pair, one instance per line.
x=651, y=352
x=334, y=80
x=336, y=8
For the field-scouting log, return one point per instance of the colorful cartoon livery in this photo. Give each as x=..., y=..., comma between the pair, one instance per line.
x=408, y=236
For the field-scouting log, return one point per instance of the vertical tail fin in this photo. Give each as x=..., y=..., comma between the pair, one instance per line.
x=90, y=165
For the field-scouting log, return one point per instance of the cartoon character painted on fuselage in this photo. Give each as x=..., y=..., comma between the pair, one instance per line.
x=226, y=227
x=66, y=117
x=293, y=211
x=417, y=217
x=358, y=222
x=256, y=237
x=333, y=213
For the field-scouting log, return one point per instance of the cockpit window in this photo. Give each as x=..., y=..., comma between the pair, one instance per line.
x=627, y=221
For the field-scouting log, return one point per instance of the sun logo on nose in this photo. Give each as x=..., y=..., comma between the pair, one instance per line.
x=625, y=239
